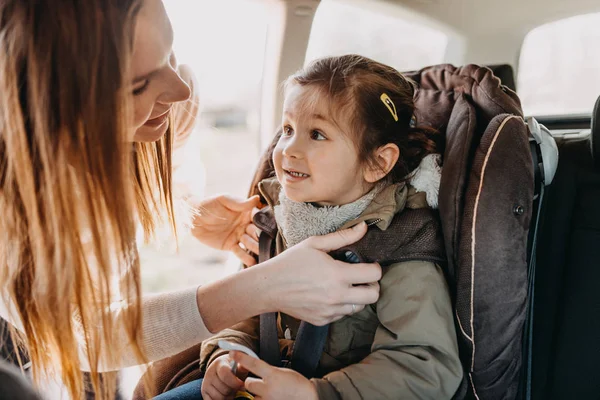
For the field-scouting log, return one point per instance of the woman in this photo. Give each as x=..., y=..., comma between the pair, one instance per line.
x=79, y=82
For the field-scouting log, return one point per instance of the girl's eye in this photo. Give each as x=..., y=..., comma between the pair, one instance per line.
x=316, y=135
x=288, y=131
x=139, y=90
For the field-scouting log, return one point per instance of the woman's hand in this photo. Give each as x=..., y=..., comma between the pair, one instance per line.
x=274, y=383
x=224, y=222
x=306, y=283
x=303, y=281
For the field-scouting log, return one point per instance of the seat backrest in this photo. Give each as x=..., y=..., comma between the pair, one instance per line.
x=566, y=326
x=486, y=207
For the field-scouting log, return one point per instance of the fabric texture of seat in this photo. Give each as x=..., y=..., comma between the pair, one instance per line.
x=486, y=206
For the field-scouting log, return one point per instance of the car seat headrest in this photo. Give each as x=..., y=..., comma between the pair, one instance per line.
x=445, y=85
x=595, y=138
x=506, y=75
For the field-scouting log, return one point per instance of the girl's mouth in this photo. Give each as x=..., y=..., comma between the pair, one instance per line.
x=295, y=175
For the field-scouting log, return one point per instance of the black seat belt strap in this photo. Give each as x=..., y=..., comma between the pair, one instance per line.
x=269, y=341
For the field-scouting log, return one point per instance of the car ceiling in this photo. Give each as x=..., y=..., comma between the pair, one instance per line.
x=470, y=17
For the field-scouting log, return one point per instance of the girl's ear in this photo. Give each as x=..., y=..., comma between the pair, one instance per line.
x=385, y=158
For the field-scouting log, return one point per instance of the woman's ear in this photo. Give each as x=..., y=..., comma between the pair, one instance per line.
x=384, y=160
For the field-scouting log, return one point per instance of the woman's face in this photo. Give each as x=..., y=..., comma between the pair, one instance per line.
x=155, y=85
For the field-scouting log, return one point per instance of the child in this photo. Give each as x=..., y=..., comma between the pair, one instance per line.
x=349, y=152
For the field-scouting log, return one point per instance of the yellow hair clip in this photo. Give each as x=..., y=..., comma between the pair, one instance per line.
x=390, y=105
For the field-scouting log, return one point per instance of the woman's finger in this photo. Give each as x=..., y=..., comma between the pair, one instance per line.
x=252, y=231
x=251, y=364
x=249, y=243
x=236, y=204
x=361, y=295
x=350, y=309
x=244, y=257
x=342, y=311
x=255, y=386
x=335, y=240
x=227, y=377
x=360, y=274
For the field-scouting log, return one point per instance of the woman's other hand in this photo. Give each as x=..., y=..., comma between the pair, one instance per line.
x=224, y=222
x=303, y=281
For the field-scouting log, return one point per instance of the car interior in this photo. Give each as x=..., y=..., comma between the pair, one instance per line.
x=500, y=47
x=564, y=300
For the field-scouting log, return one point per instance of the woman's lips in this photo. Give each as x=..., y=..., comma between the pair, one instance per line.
x=158, y=121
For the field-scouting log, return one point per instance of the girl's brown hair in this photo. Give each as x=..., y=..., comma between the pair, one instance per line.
x=72, y=186
x=379, y=102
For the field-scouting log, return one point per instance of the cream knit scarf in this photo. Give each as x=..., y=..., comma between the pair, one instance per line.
x=299, y=221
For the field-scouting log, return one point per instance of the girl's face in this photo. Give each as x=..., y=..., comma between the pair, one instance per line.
x=156, y=85
x=315, y=160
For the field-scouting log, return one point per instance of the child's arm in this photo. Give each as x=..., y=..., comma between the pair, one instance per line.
x=245, y=333
x=415, y=353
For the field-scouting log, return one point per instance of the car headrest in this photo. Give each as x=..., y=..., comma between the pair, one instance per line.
x=506, y=74
x=441, y=87
x=595, y=138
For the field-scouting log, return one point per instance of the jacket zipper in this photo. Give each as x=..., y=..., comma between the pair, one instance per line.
x=375, y=222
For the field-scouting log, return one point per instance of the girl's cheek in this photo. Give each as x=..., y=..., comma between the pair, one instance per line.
x=277, y=155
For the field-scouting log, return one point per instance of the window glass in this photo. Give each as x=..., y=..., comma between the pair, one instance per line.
x=559, y=69
x=340, y=28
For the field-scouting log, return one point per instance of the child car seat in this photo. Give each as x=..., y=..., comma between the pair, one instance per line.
x=491, y=187
x=495, y=169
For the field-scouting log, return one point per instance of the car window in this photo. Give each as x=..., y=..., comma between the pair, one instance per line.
x=559, y=68
x=340, y=28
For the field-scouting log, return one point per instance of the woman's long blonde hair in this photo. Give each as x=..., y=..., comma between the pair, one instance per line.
x=72, y=185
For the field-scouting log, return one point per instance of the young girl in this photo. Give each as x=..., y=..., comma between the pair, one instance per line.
x=350, y=152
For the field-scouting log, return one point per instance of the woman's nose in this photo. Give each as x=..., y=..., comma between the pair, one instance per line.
x=177, y=89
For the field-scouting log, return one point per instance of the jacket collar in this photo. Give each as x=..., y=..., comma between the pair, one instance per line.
x=387, y=203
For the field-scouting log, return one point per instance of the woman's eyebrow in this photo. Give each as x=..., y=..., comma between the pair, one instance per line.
x=166, y=61
x=144, y=77
x=154, y=72
x=157, y=70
